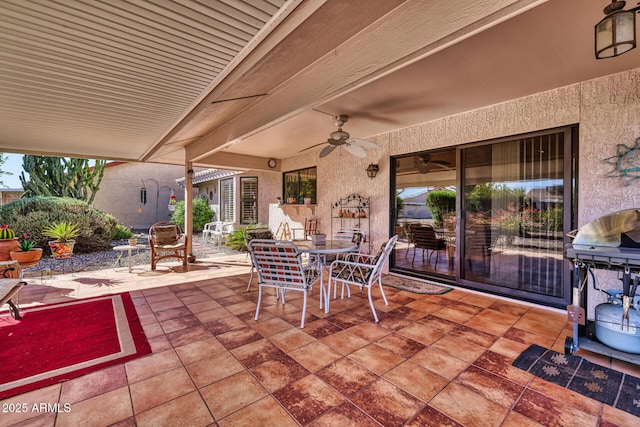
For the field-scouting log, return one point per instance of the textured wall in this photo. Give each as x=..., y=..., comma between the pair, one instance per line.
x=606, y=109
x=119, y=192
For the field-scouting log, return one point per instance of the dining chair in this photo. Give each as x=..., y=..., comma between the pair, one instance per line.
x=166, y=240
x=249, y=235
x=425, y=238
x=363, y=271
x=279, y=266
x=310, y=228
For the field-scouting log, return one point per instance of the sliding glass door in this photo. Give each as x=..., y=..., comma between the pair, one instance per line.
x=500, y=211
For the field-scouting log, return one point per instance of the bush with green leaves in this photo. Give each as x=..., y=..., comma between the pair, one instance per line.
x=235, y=240
x=35, y=214
x=202, y=213
x=121, y=232
x=441, y=202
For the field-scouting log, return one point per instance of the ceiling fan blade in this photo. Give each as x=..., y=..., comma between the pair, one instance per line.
x=309, y=148
x=327, y=150
x=364, y=143
x=356, y=150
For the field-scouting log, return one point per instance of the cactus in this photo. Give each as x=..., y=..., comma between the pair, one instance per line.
x=6, y=232
x=61, y=177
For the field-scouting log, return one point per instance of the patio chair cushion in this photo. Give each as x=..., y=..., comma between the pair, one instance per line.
x=166, y=235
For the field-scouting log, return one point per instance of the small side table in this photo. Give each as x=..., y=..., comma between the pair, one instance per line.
x=127, y=248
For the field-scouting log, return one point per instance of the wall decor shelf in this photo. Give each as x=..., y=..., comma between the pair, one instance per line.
x=352, y=211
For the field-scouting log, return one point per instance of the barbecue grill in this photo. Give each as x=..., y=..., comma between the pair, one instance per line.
x=611, y=242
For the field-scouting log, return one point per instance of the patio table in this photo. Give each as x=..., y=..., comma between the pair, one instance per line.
x=318, y=252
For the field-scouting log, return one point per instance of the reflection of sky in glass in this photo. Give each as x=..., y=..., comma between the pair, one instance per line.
x=533, y=184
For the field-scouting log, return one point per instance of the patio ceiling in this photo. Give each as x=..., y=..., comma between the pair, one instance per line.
x=229, y=84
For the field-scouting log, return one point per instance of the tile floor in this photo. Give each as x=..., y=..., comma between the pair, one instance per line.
x=433, y=360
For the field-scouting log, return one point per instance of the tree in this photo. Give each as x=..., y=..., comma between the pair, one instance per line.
x=3, y=159
x=61, y=177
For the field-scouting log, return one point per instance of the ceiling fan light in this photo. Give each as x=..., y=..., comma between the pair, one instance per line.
x=339, y=134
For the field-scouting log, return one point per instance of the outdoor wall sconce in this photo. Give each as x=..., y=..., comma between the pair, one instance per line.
x=616, y=33
x=372, y=170
x=191, y=174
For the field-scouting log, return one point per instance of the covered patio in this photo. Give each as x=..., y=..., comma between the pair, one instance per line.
x=252, y=88
x=213, y=364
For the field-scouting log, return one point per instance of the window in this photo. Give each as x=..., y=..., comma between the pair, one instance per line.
x=299, y=185
x=226, y=200
x=249, y=200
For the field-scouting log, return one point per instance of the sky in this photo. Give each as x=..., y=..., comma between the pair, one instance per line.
x=14, y=165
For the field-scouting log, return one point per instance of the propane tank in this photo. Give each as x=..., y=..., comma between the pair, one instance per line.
x=618, y=322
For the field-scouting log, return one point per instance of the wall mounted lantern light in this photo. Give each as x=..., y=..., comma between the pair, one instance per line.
x=372, y=170
x=191, y=174
x=616, y=33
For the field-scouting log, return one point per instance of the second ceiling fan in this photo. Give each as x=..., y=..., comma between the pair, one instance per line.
x=339, y=137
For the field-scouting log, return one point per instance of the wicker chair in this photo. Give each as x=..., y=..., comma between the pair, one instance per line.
x=166, y=240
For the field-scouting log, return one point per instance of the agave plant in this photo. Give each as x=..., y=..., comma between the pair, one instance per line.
x=62, y=231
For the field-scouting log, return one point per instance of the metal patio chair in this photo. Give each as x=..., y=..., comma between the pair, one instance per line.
x=249, y=235
x=363, y=271
x=279, y=266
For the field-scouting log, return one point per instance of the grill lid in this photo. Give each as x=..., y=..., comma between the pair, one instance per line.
x=613, y=230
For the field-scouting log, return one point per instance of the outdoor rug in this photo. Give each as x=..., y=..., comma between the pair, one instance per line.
x=414, y=286
x=606, y=385
x=57, y=342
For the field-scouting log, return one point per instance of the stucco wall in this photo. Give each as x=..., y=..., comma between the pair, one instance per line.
x=606, y=109
x=119, y=192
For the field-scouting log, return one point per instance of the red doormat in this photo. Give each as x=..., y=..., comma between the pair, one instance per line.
x=57, y=342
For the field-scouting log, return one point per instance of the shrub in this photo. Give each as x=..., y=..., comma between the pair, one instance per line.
x=441, y=202
x=202, y=213
x=235, y=240
x=121, y=232
x=33, y=215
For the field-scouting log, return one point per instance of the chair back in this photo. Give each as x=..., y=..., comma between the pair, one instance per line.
x=164, y=233
x=383, y=256
x=310, y=227
x=278, y=263
x=424, y=237
x=257, y=233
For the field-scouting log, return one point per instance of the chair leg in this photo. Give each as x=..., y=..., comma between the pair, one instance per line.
x=259, y=300
x=15, y=310
x=384, y=297
x=373, y=309
x=304, y=308
x=250, y=279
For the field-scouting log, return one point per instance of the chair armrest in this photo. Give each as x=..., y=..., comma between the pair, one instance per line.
x=359, y=258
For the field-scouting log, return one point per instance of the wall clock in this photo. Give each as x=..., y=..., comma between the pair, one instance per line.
x=272, y=163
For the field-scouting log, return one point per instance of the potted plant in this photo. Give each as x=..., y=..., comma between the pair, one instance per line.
x=63, y=233
x=27, y=255
x=8, y=242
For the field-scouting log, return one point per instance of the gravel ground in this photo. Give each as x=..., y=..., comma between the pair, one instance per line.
x=106, y=259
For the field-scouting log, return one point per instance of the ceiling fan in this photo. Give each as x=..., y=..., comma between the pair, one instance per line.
x=339, y=137
x=424, y=163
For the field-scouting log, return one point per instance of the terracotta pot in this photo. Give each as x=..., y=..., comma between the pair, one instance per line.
x=6, y=246
x=28, y=258
x=61, y=250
